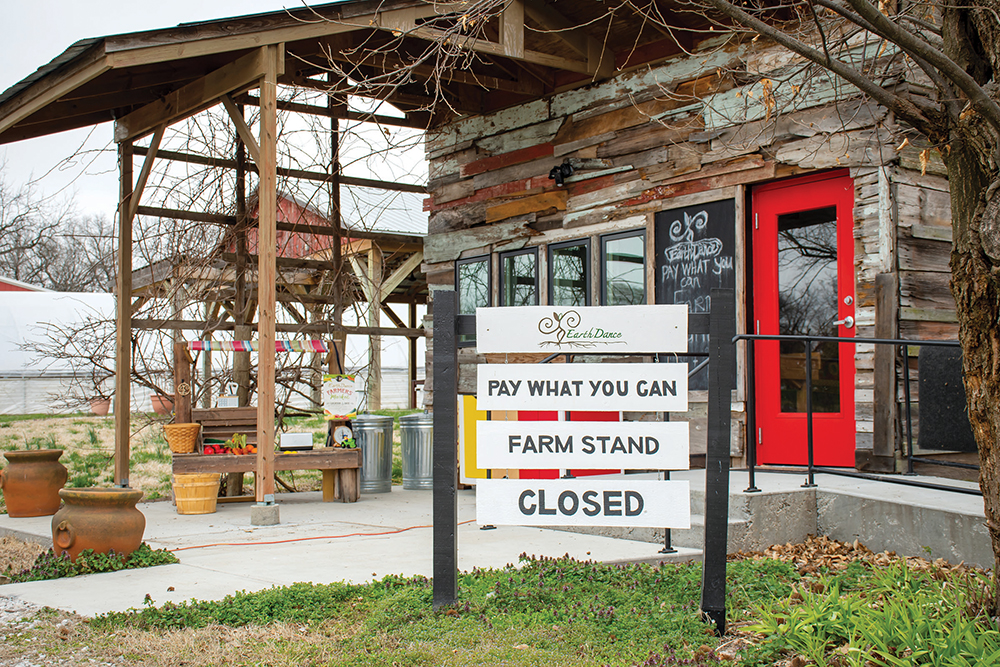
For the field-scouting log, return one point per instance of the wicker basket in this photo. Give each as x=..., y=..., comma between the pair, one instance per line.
x=182, y=438
x=196, y=493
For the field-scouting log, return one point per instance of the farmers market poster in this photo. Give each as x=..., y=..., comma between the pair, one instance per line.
x=340, y=400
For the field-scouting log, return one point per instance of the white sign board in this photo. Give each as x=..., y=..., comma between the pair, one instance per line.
x=582, y=445
x=608, y=387
x=617, y=329
x=584, y=502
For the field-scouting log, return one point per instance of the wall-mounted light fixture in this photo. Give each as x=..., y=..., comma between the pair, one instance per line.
x=560, y=173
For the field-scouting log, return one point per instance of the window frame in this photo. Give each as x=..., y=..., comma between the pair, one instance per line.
x=617, y=236
x=587, y=268
x=501, y=257
x=469, y=319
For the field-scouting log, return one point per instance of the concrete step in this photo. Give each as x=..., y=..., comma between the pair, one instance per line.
x=756, y=520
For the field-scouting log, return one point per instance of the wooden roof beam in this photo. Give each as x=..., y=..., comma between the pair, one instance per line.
x=600, y=59
x=404, y=22
x=236, y=77
x=37, y=96
x=323, y=327
x=413, y=121
x=225, y=163
x=391, y=62
x=401, y=273
x=230, y=220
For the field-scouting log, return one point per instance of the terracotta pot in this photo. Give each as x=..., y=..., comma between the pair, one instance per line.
x=98, y=519
x=162, y=405
x=31, y=482
x=100, y=406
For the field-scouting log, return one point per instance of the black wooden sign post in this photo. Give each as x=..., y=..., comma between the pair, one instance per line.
x=444, y=456
x=721, y=350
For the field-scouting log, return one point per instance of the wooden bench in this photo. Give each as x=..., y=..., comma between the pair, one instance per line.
x=340, y=467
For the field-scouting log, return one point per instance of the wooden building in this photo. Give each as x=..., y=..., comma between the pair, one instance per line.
x=576, y=155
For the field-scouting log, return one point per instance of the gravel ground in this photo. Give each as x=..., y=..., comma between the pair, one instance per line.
x=17, y=555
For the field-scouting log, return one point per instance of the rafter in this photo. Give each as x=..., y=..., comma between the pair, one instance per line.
x=600, y=59
x=236, y=77
x=400, y=274
x=390, y=62
x=404, y=22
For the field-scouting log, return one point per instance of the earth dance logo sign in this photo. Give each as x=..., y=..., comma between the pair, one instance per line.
x=565, y=327
x=616, y=330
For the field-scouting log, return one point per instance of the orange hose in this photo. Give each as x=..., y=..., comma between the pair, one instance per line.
x=303, y=539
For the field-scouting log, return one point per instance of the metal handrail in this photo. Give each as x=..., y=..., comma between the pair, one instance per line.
x=905, y=344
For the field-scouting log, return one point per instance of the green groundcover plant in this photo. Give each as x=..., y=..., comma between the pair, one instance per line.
x=562, y=611
x=567, y=611
x=887, y=616
x=50, y=566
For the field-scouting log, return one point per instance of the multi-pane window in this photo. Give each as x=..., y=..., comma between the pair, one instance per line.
x=623, y=268
x=519, y=278
x=569, y=273
x=472, y=282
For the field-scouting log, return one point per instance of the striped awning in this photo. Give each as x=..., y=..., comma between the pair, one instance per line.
x=253, y=346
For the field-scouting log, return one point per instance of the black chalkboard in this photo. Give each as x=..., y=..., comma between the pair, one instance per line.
x=695, y=253
x=944, y=422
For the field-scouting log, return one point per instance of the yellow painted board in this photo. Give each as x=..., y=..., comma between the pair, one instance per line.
x=468, y=415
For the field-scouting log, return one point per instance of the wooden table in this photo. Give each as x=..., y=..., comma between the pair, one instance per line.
x=340, y=468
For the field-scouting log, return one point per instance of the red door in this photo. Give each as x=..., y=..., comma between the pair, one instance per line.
x=803, y=283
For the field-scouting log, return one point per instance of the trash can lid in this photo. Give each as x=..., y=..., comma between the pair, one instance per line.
x=370, y=418
x=417, y=418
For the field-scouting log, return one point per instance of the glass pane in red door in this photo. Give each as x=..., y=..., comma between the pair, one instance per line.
x=807, y=305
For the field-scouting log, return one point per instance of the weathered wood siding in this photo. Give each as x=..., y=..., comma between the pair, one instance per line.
x=685, y=132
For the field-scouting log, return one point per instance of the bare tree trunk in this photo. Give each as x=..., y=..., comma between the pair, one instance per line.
x=971, y=40
x=976, y=288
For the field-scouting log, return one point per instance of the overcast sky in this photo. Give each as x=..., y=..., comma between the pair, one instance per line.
x=46, y=28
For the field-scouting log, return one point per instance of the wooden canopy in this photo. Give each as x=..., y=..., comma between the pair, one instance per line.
x=435, y=61
x=141, y=79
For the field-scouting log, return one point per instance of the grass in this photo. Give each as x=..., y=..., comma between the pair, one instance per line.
x=547, y=611
x=875, y=612
x=565, y=612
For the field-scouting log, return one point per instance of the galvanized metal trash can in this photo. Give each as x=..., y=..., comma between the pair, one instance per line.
x=373, y=434
x=416, y=434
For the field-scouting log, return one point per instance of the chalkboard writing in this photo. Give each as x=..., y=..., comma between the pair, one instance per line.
x=695, y=252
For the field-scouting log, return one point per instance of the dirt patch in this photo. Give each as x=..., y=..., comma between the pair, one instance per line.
x=17, y=555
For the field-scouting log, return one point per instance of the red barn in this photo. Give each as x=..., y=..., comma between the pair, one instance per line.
x=11, y=285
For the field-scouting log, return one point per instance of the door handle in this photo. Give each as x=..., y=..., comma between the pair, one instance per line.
x=847, y=322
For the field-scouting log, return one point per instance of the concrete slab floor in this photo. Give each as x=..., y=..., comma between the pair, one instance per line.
x=316, y=542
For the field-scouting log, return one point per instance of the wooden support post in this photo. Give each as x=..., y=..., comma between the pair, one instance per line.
x=182, y=378
x=267, y=269
x=373, y=290
x=339, y=277
x=181, y=355
x=123, y=320
x=445, y=453
x=316, y=367
x=722, y=357
x=886, y=326
x=241, y=360
x=206, y=364
x=411, y=366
